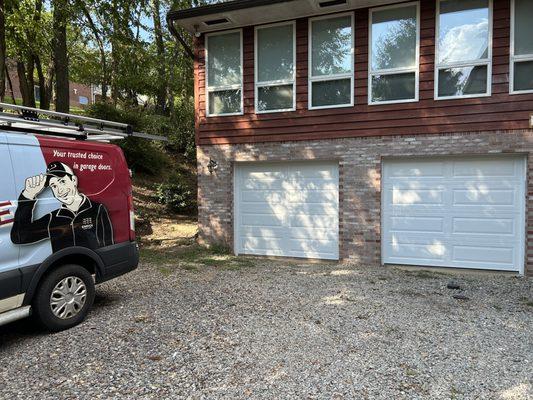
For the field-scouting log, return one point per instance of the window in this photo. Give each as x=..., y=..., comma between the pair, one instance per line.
x=224, y=73
x=463, y=66
x=394, y=54
x=331, y=61
x=522, y=46
x=275, y=68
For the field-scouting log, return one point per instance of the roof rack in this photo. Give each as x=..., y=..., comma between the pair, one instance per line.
x=33, y=120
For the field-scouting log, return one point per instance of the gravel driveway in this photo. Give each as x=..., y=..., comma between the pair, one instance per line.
x=280, y=330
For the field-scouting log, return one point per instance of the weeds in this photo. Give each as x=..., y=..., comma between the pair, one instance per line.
x=191, y=258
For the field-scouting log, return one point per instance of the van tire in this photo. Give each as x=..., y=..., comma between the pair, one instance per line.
x=61, y=277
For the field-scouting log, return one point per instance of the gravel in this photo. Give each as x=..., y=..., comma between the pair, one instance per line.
x=283, y=330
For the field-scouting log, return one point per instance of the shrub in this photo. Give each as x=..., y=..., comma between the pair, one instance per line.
x=176, y=195
x=142, y=155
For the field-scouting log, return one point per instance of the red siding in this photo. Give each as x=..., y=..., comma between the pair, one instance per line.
x=500, y=111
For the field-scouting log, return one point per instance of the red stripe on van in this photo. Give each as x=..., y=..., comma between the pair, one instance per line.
x=4, y=212
x=9, y=221
x=5, y=204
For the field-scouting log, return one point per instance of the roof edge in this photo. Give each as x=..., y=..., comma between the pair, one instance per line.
x=220, y=7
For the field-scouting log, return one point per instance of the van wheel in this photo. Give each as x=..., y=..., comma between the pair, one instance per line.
x=64, y=297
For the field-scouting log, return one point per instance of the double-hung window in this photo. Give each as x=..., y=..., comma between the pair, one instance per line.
x=522, y=46
x=463, y=65
x=275, y=68
x=394, y=54
x=331, y=61
x=224, y=73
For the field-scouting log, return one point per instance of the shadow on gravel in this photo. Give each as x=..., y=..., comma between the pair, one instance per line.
x=17, y=332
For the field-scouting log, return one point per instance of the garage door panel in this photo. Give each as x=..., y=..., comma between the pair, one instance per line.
x=308, y=170
x=415, y=252
x=316, y=248
x=417, y=223
x=484, y=196
x=309, y=197
x=313, y=221
x=448, y=239
x=422, y=169
x=311, y=184
x=483, y=226
x=265, y=196
x=263, y=232
x=262, y=208
x=292, y=211
x=313, y=234
x=407, y=196
x=471, y=216
x=314, y=209
x=485, y=168
x=272, y=245
x=262, y=220
x=484, y=254
x=266, y=184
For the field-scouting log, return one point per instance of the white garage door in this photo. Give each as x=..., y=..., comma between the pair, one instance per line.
x=287, y=209
x=454, y=212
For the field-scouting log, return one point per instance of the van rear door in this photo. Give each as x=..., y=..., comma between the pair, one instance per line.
x=9, y=253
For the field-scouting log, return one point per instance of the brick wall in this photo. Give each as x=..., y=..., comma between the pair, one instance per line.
x=359, y=180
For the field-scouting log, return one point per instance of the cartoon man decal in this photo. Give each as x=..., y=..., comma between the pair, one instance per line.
x=78, y=222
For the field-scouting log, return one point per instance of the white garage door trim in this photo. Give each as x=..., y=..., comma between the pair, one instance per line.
x=458, y=212
x=288, y=209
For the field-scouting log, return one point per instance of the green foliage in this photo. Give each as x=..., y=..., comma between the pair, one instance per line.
x=119, y=47
x=142, y=155
x=176, y=194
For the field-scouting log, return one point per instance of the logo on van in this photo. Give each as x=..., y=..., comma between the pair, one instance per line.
x=6, y=215
x=87, y=223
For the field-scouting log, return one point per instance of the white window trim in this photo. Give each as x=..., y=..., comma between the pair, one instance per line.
x=325, y=78
x=283, y=82
x=514, y=58
x=474, y=63
x=394, y=71
x=226, y=87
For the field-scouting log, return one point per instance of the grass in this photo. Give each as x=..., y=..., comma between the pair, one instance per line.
x=191, y=258
x=423, y=274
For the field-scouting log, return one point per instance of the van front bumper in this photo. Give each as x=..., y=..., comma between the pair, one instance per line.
x=118, y=259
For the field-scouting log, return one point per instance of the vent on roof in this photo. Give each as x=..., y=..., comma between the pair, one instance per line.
x=218, y=21
x=331, y=3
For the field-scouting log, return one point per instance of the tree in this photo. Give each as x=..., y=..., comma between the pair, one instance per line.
x=2, y=51
x=60, y=15
x=161, y=96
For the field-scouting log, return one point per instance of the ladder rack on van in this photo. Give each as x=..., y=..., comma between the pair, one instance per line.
x=43, y=122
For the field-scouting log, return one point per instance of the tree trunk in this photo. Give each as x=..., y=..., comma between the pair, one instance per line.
x=10, y=84
x=27, y=99
x=44, y=93
x=2, y=52
x=62, y=101
x=162, y=89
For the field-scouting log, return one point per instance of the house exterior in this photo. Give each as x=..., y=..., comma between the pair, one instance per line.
x=377, y=131
x=80, y=95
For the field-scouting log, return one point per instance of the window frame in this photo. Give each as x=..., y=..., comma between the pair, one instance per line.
x=463, y=64
x=226, y=87
x=514, y=58
x=328, y=78
x=282, y=82
x=394, y=71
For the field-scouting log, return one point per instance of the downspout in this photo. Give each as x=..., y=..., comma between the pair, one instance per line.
x=176, y=34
